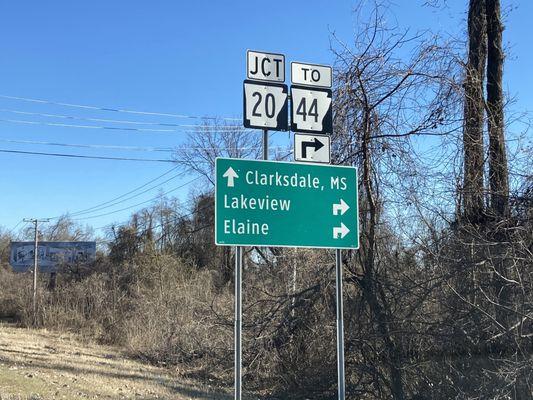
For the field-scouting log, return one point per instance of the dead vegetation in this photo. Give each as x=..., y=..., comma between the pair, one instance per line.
x=438, y=300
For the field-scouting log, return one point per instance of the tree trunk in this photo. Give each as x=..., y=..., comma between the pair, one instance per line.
x=474, y=111
x=369, y=282
x=498, y=173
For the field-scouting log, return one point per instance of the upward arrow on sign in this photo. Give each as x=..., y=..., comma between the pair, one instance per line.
x=231, y=175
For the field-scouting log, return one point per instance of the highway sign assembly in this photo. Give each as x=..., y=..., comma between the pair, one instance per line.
x=311, y=75
x=268, y=203
x=312, y=148
x=303, y=204
x=265, y=105
x=311, y=110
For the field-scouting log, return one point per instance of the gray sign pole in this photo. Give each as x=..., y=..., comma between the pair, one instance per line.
x=340, y=326
x=238, y=322
x=238, y=300
x=265, y=144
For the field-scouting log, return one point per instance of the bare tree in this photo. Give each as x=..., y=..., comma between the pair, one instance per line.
x=214, y=139
x=498, y=171
x=474, y=107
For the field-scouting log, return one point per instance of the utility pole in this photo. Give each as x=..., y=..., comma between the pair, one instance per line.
x=35, y=222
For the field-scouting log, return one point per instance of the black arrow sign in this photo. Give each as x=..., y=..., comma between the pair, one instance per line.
x=316, y=144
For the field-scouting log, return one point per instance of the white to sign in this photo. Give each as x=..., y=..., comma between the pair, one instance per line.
x=311, y=110
x=265, y=106
x=265, y=66
x=312, y=148
x=311, y=74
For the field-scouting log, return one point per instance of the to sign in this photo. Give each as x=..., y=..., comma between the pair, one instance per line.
x=311, y=110
x=311, y=74
x=268, y=203
x=265, y=66
x=312, y=148
x=265, y=106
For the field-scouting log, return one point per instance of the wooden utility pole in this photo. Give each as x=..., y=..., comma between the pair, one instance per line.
x=35, y=222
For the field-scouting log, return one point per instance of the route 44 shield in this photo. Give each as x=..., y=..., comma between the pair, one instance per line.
x=265, y=106
x=311, y=110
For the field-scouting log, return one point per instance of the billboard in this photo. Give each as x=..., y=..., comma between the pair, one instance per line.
x=50, y=254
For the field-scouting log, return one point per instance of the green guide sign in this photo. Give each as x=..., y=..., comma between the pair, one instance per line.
x=270, y=203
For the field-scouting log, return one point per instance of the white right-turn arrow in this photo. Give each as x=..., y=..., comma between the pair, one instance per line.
x=231, y=175
x=342, y=231
x=342, y=207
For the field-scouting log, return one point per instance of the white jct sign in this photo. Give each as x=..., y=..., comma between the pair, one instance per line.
x=265, y=66
x=265, y=106
x=311, y=110
x=311, y=74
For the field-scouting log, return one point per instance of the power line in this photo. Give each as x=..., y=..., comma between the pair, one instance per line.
x=56, y=124
x=119, y=110
x=114, y=121
x=174, y=219
x=114, y=203
x=133, y=148
x=138, y=204
x=90, y=146
x=121, y=196
x=11, y=231
x=117, y=128
x=88, y=157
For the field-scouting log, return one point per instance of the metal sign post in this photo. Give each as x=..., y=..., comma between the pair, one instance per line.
x=238, y=322
x=264, y=203
x=265, y=104
x=311, y=113
x=340, y=326
x=238, y=300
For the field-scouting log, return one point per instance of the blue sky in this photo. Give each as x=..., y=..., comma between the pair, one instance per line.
x=179, y=57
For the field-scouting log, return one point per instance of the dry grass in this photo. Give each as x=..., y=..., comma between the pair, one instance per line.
x=38, y=364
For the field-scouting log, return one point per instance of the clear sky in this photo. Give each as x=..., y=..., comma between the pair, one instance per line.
x=178, y=57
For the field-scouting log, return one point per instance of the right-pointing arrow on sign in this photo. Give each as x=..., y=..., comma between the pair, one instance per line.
x=315, y=143
x=342, y=231
x=342, y=207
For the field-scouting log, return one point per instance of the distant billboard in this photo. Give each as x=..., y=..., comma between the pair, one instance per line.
x=50, y=255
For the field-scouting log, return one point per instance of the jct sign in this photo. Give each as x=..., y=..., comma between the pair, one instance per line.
x=267, y=203
x=265, y=66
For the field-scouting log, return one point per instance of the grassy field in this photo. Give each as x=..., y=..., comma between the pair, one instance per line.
x=38, y=364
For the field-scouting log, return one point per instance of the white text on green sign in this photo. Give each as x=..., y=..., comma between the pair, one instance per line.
x=267, y=203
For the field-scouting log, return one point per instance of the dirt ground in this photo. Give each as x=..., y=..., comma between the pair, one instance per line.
x=37, y=364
